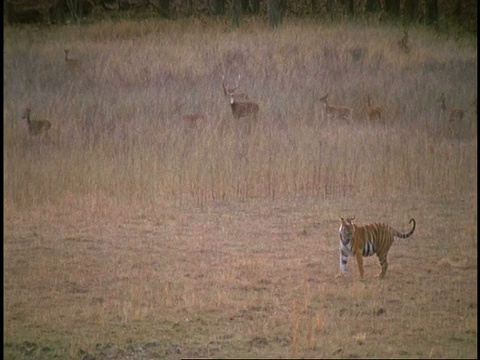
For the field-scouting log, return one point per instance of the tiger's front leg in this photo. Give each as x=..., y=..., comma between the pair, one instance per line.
x=343, y=264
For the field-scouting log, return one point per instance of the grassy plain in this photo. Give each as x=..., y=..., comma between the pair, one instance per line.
x=132, y=234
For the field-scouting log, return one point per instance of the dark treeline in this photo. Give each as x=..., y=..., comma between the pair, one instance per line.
x=463, y=13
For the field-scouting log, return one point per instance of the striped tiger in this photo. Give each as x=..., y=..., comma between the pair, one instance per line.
x=360, y=241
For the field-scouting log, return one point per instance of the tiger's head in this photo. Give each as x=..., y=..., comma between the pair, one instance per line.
x=346, y=229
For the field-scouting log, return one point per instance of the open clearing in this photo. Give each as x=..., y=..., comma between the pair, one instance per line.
x=240, y=279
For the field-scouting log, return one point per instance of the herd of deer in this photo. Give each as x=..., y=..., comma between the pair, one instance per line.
x=241, y=106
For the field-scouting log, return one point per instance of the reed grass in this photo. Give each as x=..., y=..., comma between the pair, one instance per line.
x=120, y=121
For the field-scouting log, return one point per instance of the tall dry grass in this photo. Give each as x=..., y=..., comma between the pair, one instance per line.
x=119, y=131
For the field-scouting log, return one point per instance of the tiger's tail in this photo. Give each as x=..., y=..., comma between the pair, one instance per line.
x=404, y=236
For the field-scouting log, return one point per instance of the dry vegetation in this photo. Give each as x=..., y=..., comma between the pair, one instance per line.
x=134, y=235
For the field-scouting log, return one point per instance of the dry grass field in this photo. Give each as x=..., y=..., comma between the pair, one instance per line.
x=134, y=231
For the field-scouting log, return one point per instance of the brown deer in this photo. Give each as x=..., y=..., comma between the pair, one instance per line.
x=194, y=119
x=36, y=127
x=455, y=114
x=241, y=106
x=336, y=111
x=72, y=64
x=374, y=112
x=404, y=43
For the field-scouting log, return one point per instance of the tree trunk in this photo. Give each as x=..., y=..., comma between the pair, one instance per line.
x=245, y=7
x=432, y=12
x=255, y=6
x=236, y=12
x=372, y=6
x=330, y=5
x=410, y=10
x=393, y=7
x=191, y=7
x=218, y=7
x=349, y=6
x=276, y=11
x=164, y=8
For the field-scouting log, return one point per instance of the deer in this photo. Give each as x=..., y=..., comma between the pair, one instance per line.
x=241, y=106
x=404, y=43
x=455, y=114
x=72, y=64
x=194, y=119
x=374, y=112
x=36, y=127
x=336, y=111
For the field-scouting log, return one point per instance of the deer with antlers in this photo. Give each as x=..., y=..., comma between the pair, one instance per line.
x=241, y=106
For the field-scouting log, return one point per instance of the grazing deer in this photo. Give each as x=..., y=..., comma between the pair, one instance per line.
x=404, y=42
x=72, y=64
x=240, y=105
x=193, y=119
x=455, y=114
x=36, y=127
x=336, y=111
x=374, y=112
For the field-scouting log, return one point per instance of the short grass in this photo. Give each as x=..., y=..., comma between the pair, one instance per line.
x=132, y=234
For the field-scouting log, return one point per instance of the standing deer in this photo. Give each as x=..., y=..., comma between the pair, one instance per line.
x=36, y=127
x=404, y=44
x=336, y=111
x=241, y=106
x=72, y=64
x=374, y=112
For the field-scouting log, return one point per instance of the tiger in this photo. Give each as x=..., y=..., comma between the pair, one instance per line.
x=360, y=241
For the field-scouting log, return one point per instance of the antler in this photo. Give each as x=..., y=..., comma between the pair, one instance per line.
x=238, y=81
x=226, y=90
x=223, y=85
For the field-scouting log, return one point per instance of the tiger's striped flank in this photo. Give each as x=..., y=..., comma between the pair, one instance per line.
x=367, y=240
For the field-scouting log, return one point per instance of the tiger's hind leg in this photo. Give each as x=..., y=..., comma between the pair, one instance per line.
x=384, y=264
x=359, y=257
